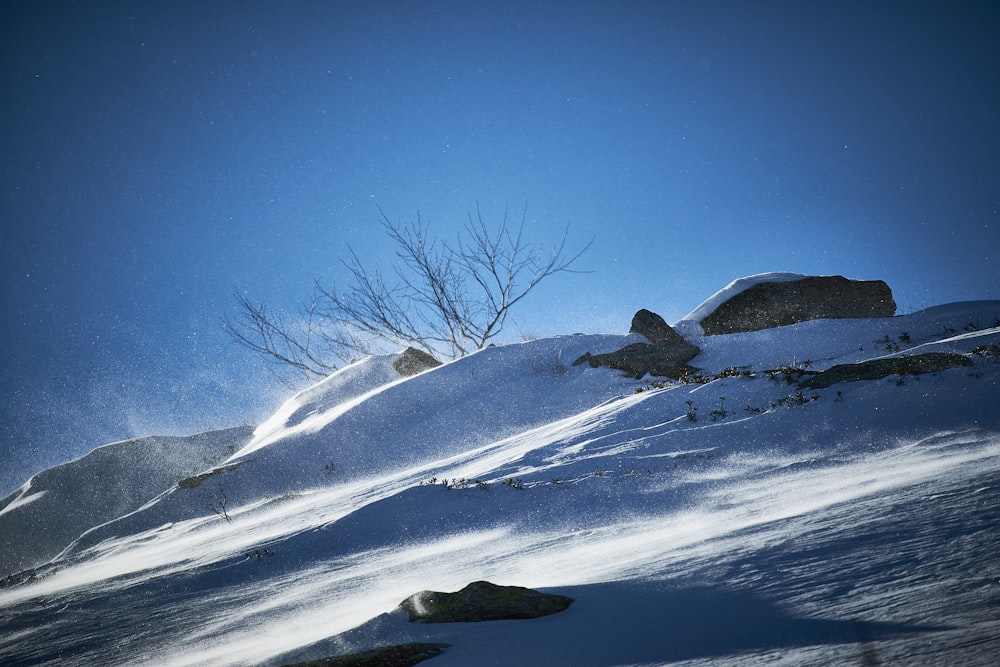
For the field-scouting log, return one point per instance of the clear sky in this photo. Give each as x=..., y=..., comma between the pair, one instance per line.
x=156, y=155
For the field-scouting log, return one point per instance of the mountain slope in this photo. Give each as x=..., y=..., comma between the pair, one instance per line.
x=107, y=483
x=727, y=521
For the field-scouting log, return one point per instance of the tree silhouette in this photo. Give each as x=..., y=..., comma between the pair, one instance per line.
x=446, y=299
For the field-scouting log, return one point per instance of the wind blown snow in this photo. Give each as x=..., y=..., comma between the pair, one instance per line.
x=864, y=505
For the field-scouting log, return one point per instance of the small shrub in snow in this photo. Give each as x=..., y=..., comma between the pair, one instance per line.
x=798, y=398
x=889, y=344
x=790, y=374
x=259, y=554
x=987, y=351
x=217, y=504
x=686, y=376
x=720, y=412
x=456, y=483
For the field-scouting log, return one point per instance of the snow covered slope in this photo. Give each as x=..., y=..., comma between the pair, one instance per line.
x=732, y=520
x=56, y=506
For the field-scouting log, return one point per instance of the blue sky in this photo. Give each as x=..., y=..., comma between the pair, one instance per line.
x=157, y=155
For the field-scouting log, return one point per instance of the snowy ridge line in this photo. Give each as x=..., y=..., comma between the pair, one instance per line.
x=311, y=424
x=23, y=498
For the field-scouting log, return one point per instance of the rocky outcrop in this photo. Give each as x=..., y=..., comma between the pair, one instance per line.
x=194, y=482
x=402, y=655
x=776, y=304
x=666, y=355
x=876, y=369
x=638, y=359
x=654, y=328
x=482, y=601
x=413, y=361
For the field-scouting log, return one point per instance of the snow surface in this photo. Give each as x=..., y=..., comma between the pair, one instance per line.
x=728, y=523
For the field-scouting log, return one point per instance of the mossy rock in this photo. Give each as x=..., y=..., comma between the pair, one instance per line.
x=482, y=601
x=403, y=655
x=876, y=369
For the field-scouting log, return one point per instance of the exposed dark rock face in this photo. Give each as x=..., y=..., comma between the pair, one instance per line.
x=776, y=304
x=875, y=369
x=666, y=355
x=482, y=601
x=654, y=328
x=638, y=359
x=414, y=361
x=194, y=482
x=403, y=655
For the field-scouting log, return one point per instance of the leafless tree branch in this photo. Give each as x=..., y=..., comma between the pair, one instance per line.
x=445, y=299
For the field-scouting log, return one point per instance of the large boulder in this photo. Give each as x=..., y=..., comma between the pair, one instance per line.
x=776, y=304
x=665, y=355
x=482, y=601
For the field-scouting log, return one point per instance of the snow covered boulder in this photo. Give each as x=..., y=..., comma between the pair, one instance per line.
x=774, y=304
x=482, y=601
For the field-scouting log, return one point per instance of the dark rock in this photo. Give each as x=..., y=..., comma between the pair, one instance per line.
x=876, y=369
x=776, y=304
x=414, y=361
x=196, y=481
x=654, y=328
x=666, y=354
x=482, y=601
x=403, y=655
x=638, y=359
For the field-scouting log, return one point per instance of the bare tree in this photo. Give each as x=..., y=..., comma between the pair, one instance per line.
x=445, y=299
